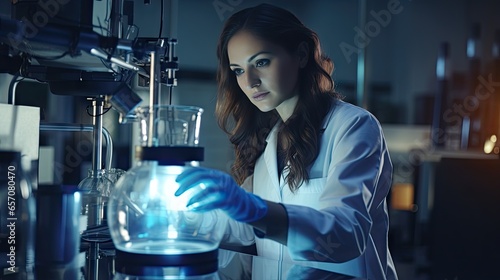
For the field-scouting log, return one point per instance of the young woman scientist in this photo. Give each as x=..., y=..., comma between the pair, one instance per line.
x=314, y=170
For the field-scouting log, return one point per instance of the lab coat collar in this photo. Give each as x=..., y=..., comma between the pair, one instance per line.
x=328, y=116
x=274, y=131
x=270, y=154
x=273, y=134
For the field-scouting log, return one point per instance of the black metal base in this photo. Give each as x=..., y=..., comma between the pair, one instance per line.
x=170, y=155
x=166, y=265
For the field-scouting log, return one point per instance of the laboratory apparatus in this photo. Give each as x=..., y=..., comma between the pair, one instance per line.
x=146, y=220
x=137, y=221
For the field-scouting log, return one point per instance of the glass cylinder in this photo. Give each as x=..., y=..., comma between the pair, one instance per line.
x=173, y=125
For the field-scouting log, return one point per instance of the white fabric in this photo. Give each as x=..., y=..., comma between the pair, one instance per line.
x=339, y=219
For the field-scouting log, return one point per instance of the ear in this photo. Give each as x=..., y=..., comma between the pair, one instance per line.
x=303, y=54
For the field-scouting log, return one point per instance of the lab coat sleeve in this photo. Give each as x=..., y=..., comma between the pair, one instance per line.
x=240, y=233
x=359, y=173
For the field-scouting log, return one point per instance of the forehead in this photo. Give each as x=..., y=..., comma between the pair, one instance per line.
x=244, y=45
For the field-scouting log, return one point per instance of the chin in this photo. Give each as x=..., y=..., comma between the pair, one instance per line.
x=265, y=109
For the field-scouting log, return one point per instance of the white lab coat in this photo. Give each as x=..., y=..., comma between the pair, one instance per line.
x=339, y=219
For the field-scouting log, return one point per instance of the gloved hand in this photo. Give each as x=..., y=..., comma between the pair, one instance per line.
x=219, y=190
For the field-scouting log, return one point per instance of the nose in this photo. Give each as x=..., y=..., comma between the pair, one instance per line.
x=252, y=79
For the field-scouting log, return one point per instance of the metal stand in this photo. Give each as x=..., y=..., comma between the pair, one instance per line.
x=93, y=256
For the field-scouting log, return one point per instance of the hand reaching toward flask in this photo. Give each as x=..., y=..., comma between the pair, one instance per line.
x=217, y=189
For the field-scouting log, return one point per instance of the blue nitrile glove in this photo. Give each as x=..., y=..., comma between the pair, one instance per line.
x=219, y=190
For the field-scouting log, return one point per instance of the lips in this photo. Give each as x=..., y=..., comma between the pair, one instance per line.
x=260, y=95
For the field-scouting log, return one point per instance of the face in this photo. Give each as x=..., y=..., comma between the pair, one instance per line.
x=266, y=72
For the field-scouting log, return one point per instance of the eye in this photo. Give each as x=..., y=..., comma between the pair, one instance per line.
x=237, y=71
x=262, y=62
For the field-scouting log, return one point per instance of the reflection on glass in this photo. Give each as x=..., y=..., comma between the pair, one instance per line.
x=95, y=190
x=145, y=217
x=175, y=125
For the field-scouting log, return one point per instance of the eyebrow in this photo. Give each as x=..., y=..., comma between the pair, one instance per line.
x=253, y=57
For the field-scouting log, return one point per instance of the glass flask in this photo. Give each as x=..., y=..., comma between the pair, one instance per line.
x=113, y=174
x=95, y=190
x=150, y=219
x=152, y=230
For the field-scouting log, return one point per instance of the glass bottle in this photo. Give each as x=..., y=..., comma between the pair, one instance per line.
x=438, y=133
x=474, y=120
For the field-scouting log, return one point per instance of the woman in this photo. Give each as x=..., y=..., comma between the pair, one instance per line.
x=316, y=169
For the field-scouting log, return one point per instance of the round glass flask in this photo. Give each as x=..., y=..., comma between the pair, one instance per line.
x=145, y=217
x=95, y=190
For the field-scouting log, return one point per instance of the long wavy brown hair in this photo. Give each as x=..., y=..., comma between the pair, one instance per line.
x=245, y=124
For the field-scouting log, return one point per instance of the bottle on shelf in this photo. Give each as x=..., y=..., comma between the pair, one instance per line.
x=474, y=120
x=438, y=131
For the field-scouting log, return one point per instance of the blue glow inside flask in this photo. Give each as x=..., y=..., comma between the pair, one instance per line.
x=145, y=217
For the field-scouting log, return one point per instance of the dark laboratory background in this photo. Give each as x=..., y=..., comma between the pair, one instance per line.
x=428, y=70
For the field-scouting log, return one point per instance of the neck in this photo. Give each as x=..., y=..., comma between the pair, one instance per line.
x=285, y=109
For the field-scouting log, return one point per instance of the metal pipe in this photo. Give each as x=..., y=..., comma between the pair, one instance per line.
x=154, y=97
x=116, y=27
x=174, y=15
x=93, y=253
x=101, y=54
x=93, y=261
x=83, y=128
x=98, y=107
x=12, y=90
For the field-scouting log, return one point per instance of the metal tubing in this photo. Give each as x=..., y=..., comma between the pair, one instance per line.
x=83, y=128
x=93, y=256
x=93, y=253
x=12, y=90
x=154, y=98
x=174, y=15
x=116, y=26
x=93, y=261
x=98, y=107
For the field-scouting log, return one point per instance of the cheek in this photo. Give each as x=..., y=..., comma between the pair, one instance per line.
x=241, y=86
x=288, y=77
x=239, y=82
